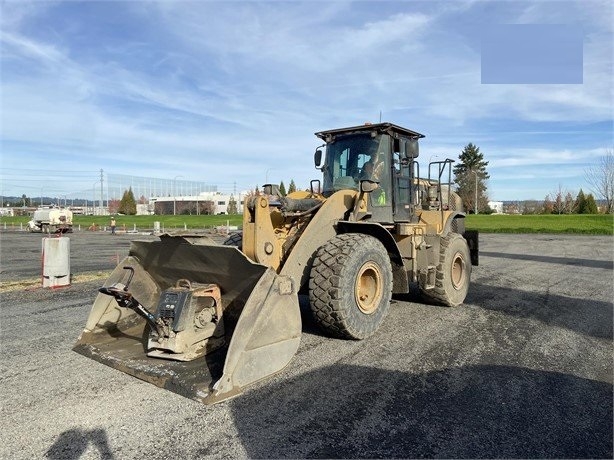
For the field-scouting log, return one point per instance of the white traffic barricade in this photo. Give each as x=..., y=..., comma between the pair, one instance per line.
x=56, y=262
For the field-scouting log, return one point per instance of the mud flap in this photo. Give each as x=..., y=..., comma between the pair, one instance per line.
x=472, y=238
x=261, y=312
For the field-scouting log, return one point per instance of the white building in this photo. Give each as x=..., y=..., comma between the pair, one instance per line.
x=496, y=206
x=144, y=209
x=220, y=202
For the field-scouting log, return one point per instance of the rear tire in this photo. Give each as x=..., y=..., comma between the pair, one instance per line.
x=350, y=286
x=458, y=226
x=453, y=272
x=235, y=239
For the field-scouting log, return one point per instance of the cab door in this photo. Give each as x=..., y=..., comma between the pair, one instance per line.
x=402, y=178
x=381, y=200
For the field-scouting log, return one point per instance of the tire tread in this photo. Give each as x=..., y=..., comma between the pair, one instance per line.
x=439, y=293
x=325, y=286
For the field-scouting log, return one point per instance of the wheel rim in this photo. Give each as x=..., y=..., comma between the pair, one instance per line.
x=458, y=271
x=368, y=288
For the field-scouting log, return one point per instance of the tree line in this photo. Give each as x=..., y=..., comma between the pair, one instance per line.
x=470, y=176
x=558, y=202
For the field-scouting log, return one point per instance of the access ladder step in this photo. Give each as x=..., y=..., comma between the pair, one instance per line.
x=428, y=276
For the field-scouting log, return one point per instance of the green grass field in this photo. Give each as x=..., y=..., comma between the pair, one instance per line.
x=593, y=224
x=601, y=224
x=141, y=223
x=193, y=222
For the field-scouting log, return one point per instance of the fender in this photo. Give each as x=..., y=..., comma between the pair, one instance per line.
x=471, y=236
x=400, y=283
x=448, y=226
x=320, y=229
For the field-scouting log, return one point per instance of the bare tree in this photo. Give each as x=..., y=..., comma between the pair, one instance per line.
x=570, y=203
x=558, y=203
x=207, y=207
x=531, y=207
x=600, y=178
x=548, y=206
x=562, y=203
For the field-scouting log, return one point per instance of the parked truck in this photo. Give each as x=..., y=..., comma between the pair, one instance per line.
x=51, y=220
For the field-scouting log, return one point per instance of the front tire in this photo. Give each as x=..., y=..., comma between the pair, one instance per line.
x=453, y=272
x=350, y=286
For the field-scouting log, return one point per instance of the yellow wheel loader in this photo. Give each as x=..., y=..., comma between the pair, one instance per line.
x=205, y=319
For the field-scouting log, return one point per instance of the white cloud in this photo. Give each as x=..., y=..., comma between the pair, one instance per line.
x=25, y=48
x=230, y=90
x=538, y=158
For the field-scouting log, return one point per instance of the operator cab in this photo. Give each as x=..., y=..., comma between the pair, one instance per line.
x=383, y=153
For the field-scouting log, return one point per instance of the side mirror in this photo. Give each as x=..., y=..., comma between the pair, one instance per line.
x=317, y=158
x=367, y=186
x=315, y=186
x=411, y=149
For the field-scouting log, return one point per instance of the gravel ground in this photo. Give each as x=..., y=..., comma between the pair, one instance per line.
x=522, y=370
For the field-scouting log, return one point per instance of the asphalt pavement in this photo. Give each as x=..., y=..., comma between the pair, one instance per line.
x=522, y=370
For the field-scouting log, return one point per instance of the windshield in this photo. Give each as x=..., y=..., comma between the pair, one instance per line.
x=348, y=159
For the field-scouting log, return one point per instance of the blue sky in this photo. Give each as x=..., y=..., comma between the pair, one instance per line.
x=229, y=93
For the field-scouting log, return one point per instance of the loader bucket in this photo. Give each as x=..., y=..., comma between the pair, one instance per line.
x=260, y=309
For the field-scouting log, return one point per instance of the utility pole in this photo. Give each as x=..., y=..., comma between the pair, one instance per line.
x=267, y=175
x=476, y=191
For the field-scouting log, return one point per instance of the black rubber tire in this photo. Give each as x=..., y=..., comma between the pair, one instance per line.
x=235, y=239
x=453, y=272
x=350, y=286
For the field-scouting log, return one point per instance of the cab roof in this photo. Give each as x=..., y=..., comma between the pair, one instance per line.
x=389, y=128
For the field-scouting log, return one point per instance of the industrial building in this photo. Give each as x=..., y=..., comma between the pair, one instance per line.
x=205, y=203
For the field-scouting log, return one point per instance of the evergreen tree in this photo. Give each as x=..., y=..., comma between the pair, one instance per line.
x=591, y=205
x=292, y=186
x=232, y=205
x=127, y=205
x=471, y=168
x=581, y=203
x=282, y=188
x=585, y=204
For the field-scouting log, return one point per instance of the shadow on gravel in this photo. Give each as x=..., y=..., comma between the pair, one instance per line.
x=604, y=264
x=308, y=322
x=72, y=444
x=585, y=316
x=470, y=412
